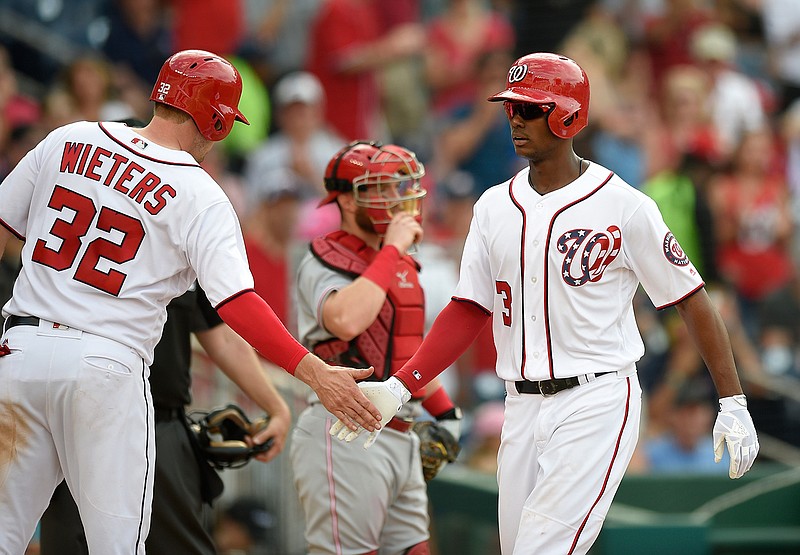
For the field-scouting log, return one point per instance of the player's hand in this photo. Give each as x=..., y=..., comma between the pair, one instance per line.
x=338, y=391
x=388, y=396
x=734, y=428
x=276, y=431
x=403, y=231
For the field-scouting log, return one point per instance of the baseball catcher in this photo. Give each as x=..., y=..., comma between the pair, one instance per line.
x=222, y=436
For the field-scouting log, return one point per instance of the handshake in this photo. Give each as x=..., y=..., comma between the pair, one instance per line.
x=388, y=397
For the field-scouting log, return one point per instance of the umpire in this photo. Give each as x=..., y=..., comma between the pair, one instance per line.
x=185, y=484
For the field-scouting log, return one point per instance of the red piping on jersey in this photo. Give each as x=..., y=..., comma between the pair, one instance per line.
x=521, y=268
x=473, y=303
x=11, y=230
x=608, y=471
x=232, y=297
x=546, y=273
x=686, y=296
x=337, y=541
x=142, y=155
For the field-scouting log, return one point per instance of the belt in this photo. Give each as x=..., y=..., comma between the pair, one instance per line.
x=551, y=387
x=163, y=414
x=15, y=320
x=400, y=424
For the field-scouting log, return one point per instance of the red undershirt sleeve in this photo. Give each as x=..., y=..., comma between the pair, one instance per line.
x=456, y=327
x=251, y=317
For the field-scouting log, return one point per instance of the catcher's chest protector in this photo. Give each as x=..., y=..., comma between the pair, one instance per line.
x=397, y=332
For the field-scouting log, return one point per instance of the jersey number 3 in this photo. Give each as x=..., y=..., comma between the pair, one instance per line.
x=72, y=233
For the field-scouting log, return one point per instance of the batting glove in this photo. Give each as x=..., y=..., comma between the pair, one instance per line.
x=388, y=397
x=734, y=428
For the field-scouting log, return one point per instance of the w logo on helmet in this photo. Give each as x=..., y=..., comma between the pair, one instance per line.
x=588, y=254
x=517, y=73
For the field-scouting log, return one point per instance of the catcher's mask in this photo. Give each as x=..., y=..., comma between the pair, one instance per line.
x=383, y=179
x=221, y=434
x=557, y=84
x=205, y=86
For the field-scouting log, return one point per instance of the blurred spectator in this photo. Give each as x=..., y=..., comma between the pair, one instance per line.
x=255, y=102
x=214, y=25
x=754, y=226
x=88, y=83
x=300, y=148
x=473, y=136
x=681, y=195
x=245, y=527
x=347, y=46
x=484, y=437
x=542, y=29
x=282, y=31
x=618, y=137
x=667, y=36
x=138, y=40
x=457, y=38
x=782, y=32
x=686, y=126
x=735, y=101
x=686, y=446
x=269, y=230
x=302, y=143
x=16, y=109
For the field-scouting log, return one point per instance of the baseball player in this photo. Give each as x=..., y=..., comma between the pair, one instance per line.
x=118, y=221
x=360, y=304
x=553, y=257
x=184, y=485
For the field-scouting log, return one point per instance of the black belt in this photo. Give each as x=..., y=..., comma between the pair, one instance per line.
x=551, y=387
x=162, y=414
x=15, y=320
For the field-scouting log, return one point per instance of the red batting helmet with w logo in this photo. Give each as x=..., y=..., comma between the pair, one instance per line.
x=205, y=86
x=544, y=78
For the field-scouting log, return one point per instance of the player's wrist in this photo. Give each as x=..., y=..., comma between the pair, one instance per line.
x=732, y=403
x=438, y=403
x=382, y=270
x=399, y=389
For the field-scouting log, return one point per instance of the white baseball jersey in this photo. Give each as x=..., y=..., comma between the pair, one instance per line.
x=559, y=272
x=115, y=227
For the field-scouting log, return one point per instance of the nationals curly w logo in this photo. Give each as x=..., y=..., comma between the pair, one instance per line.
x=517, y=73
x=588, y=254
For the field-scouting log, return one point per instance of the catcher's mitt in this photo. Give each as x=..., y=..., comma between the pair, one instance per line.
x=221, y=432
x=437, y=447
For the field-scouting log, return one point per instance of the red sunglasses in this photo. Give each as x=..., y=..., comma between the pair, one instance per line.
x=526, y=110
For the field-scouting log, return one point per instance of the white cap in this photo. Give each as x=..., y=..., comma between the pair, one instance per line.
x=298, y=86
x=714, y=42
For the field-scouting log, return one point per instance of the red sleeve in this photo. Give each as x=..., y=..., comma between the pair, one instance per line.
x=456, y=327
x=251, y=317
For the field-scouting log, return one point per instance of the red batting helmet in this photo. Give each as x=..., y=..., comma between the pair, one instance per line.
x=383, y=179
x=543, y=78
x=205, y=86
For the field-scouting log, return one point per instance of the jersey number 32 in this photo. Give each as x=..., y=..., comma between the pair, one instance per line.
x=73, y=232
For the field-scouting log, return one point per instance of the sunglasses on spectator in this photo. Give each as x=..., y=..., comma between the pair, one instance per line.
x=526, y=110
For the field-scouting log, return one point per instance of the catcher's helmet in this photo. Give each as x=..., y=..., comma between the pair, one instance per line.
x=383, y=179
x=543, y=78
x=205, y=86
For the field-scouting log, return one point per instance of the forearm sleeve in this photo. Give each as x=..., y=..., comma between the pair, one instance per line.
x=251, y=317
x=456, y=327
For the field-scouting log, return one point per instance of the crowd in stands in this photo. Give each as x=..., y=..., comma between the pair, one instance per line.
x=695, y=102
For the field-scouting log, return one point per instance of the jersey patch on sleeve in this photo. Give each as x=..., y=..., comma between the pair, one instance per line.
x=673, y=251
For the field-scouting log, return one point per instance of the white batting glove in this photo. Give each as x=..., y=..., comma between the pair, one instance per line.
x=388, y=397
x=734, y=428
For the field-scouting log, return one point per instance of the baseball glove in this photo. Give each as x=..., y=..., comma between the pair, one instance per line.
x=437, y=447
x=221, y=435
